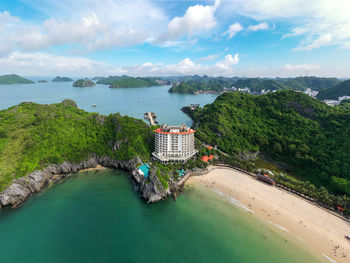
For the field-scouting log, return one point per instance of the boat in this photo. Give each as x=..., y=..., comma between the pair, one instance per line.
x=348, y=236
x=93, y=105
x=266, y=178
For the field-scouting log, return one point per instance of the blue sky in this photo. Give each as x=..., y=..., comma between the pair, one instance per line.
x=264, y=38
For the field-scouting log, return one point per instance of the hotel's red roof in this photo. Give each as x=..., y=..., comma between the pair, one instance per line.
x=159, y=130
x=204, y=158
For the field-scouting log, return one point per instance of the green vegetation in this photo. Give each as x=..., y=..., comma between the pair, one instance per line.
x=83, y=83
x=202, y=85
x=61, y=79
x=257, y=85
x=342, y=89
x=33, y=136
x=198, y=84
x=310, y=138
x=129, y=82
x=14, y=79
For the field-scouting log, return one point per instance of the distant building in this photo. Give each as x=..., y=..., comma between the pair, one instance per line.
x=332, y=102
x=311, y=93
x=174, y=143
x=343, y=98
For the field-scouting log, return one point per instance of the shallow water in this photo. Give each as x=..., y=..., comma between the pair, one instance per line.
x=97, y=217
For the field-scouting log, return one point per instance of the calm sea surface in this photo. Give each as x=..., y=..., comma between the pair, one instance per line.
x=128, y=101
x=97, y=217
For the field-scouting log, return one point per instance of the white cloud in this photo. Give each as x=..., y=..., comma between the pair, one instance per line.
x=299, y=67
x=183, y=67
x=39, y=64
x=233, y=30
x=197, y=18
x=320, y=22
x=45, y=64
x=323, y=40
x=88, y=24
x=228, y=62
x=209, y=57
x=261, y=26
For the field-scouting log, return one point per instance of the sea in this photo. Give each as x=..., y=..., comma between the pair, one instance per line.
x=96, y=216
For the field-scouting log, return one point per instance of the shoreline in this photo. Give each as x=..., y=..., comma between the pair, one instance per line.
x=315, y=227
x=97, y=167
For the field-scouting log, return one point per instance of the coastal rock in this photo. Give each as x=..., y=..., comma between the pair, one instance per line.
x=14, y=195
x=152, y=190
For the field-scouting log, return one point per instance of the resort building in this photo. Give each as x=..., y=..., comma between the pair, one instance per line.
x=174, y=143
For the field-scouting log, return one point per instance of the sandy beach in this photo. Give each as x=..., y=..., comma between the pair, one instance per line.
x=313, y=226
x=98, y=167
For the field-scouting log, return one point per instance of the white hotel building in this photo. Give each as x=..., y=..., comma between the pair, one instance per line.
x=174, y=144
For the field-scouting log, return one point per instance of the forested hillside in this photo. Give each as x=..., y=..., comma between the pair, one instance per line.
x=129, y=82
x=342, y=89
x=313, y=139
x=198, y=84
x=34, y=135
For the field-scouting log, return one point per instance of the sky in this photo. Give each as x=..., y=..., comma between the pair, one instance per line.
x=245, y=38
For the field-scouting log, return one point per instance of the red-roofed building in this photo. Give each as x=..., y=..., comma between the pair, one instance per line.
x=205, y=158
x=174, y=143
x=211, y=157
x=209, y=147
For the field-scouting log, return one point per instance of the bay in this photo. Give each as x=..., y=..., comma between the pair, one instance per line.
x=97, y=217
x=128, y=101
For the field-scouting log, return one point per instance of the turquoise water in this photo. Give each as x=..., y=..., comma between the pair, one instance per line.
x=145, y=169
x=97, y=217
x=128, y=101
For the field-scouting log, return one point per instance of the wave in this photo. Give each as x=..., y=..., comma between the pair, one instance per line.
x=280, y=227
x=233, y=201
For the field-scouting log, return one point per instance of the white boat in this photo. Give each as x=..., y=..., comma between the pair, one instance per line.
x=93, y=105
x=348, y=236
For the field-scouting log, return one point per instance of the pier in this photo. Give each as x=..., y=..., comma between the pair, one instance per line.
x=151, y=117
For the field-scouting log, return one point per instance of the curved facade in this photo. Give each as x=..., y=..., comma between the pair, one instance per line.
x=174, y=143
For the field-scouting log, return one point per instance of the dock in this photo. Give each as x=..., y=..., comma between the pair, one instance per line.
x=151, y=117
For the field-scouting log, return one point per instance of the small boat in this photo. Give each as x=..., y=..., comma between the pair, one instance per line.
x=93, y=105
x=348, y=236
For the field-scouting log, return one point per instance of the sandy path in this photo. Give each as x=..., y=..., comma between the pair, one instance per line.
x=314, y=226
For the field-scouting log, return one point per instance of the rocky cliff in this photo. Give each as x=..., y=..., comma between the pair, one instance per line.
x=16, y=193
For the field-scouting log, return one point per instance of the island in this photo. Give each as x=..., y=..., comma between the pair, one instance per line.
x=14, y=79
x=205, y=84
x=83, y=83
x=131, y=82
x=61, y=79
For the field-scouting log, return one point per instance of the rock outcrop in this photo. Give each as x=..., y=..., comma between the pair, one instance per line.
x=16, y=193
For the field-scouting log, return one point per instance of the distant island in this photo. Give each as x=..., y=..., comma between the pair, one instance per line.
x=131, y=82
x=83, y=83
x=14, y=79
x=205, y=84
x=61, y=79
x=42, y=81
